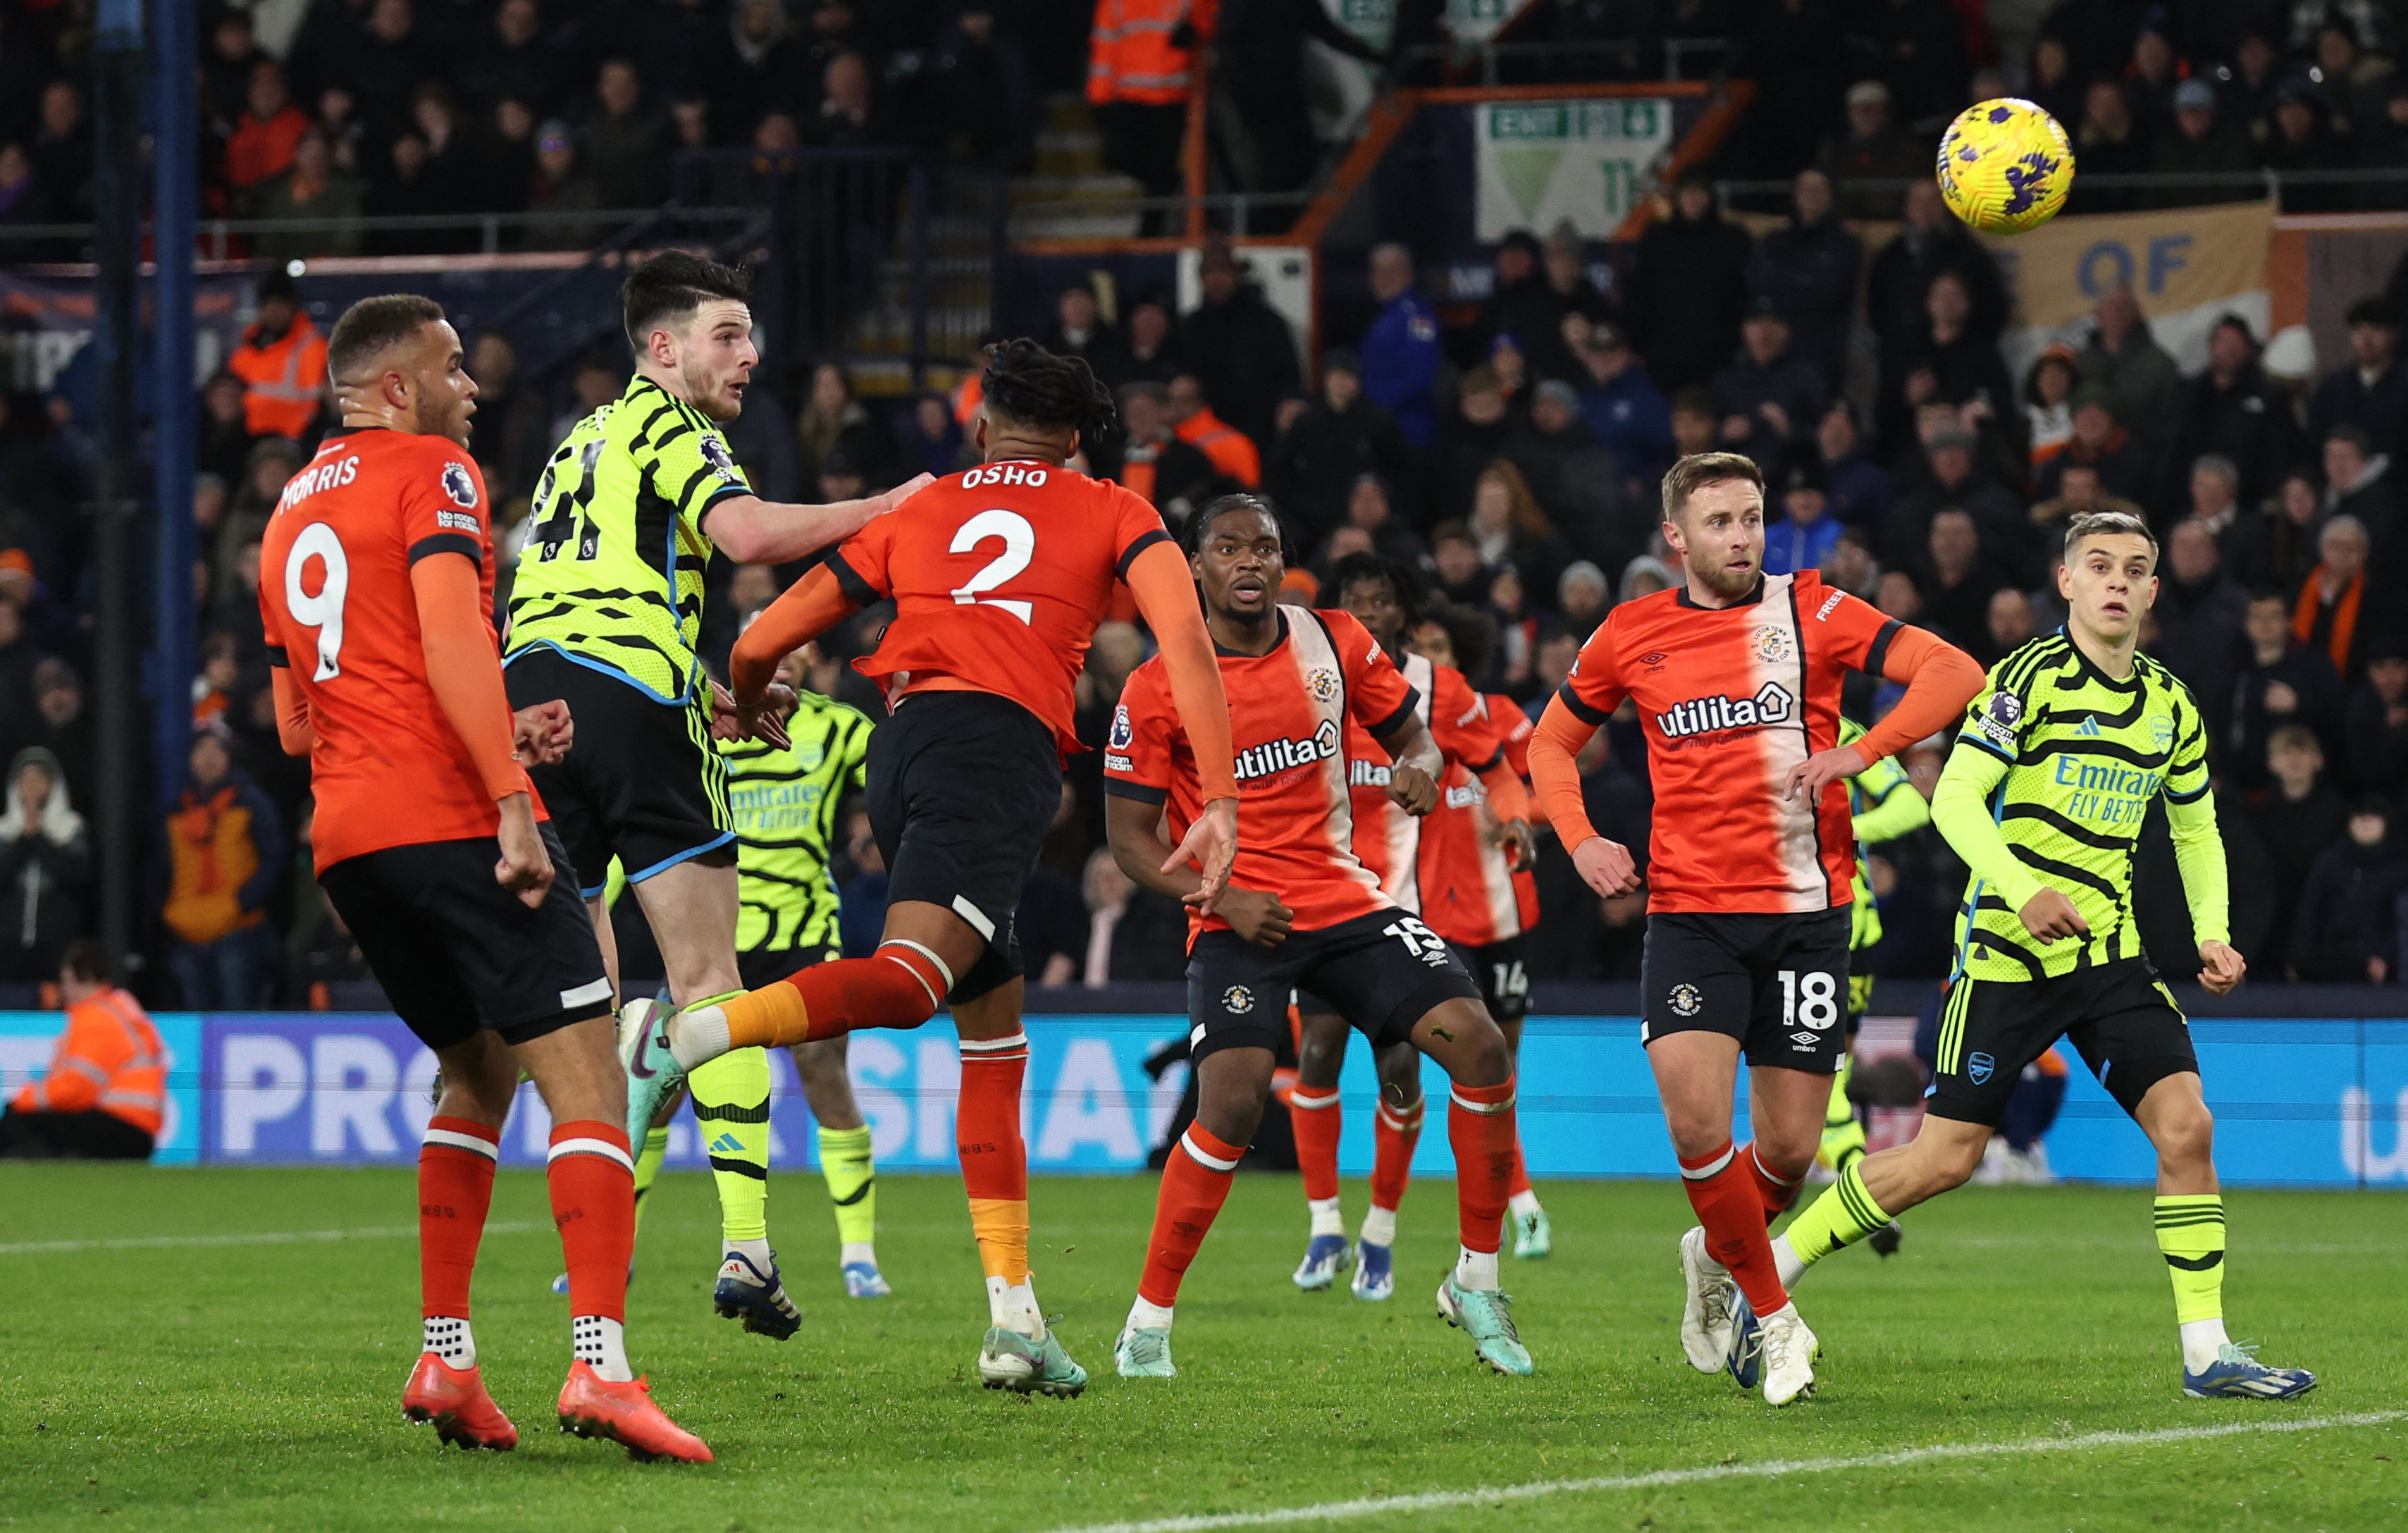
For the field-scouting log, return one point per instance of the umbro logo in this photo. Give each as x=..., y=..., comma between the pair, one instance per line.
x=2089, y=727
x=1654, y=657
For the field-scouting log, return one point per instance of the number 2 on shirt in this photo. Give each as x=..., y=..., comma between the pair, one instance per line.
x=1019, y=550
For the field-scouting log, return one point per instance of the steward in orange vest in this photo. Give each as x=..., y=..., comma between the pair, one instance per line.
x=281, y=363
x=105, y=1093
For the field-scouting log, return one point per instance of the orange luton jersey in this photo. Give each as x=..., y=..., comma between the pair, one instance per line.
x=335, y=595
x=1470, y=895
x=999, y=576
x=1387, y=840
x=1729, y=699
x=1288, y=714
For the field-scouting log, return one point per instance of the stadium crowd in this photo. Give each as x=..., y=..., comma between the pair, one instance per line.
x=1507, y=451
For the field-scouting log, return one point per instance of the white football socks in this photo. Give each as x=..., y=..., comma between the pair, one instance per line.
x=1148, y=1317
x=858, y=1253
x=755, y=1252
x=1327, y=1219
x=448, y=1337
x=698, y=1037
x=601, y=1344
x=1380, y=1225
x=1522, y=1204
x=1786, y=1258
x=1013, y=1306
x=2202, y=1340
x=1475, y=1270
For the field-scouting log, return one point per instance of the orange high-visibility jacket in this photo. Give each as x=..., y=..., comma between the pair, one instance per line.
x=1131, y=57
x=109, y=1059
x=280, y=378
x=1230, y=451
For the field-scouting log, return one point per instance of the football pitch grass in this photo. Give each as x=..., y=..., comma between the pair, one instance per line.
x=237, y=1362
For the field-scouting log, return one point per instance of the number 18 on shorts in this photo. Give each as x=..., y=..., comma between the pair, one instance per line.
x=1778, y=984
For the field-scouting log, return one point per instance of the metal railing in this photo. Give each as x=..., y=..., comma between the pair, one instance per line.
x=1681, y=57
x=1229, y=212
x=2296, y=191
x=487, y=228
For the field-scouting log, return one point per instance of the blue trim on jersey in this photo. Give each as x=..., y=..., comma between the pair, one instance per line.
x=611, y=671
x=1977, y=740
x=667, y=863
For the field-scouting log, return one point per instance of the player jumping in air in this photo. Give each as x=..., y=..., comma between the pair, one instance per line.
x=1736, y=674
x=1478, y=890
x=606, y=607
x=1387, y=841
x=1883, y=805
x=999, y=576
x=2060, y=757
x=376, y=589
x=1300, y=912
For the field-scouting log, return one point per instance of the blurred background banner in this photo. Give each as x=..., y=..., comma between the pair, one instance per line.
x=26, y=1039
x=2187, y=267
x=1546, y=164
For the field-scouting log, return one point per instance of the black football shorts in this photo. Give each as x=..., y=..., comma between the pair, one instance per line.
x=2119, y=1015
x=1778, y=984
x=1383, y=972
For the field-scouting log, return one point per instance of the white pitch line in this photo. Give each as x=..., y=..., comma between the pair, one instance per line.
x=1937, y=1453
x=288, y=1237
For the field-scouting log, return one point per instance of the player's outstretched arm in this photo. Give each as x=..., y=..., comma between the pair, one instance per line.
x=752, y=531
x=810, y=608
x=1606, y=867
x=1941, y=679
x=1960, y=809
x=293, y=730
x=466, y=681
x=1165, y=598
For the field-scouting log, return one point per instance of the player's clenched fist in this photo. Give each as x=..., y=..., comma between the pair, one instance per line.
x=1606, y=867
x=542, y=733
x=1412, y=789
x=2049, y=915
x=524, y=868
x=1257, y=916
x=2220, y=967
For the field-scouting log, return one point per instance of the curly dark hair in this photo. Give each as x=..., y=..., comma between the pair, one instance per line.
x=1027, y=383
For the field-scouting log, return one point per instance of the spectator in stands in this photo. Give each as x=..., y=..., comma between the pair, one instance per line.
x=2303, y=139
x=563, y=185
x=2357, y=484
x=23, y=200
x=1807, y=271
x=1519, y=302
x=1955, y=584
x=2374, y=727
x=2275, y=544
x=1860, y=489
x=282, y=361
x=1401, y=351
x=62, y=149
x=1510, y=530
x=1342, y=436
x=2297, y=817
x=223, y=853
x=1954, y=476
x=1806, y=531
x=932, y=438
x=1149, y=460
x=46, y=870
x=2284, y=681
x=410, y=187
x=2250, y=89
x=1370, y=509
x=1239, y=349
x=1768, y=399
x=2200, y=611
x=57, y=725
x=316, y=189
x=2350, y=78
x=2329, y=615
x=2048, y=404
x=512, y=438
x=1475, y=434
x=1583, y=597
x=383, y=62
x=832, y=419
x=1134, y=936
x=1793, y=52
x=1152, y=353
x=2127, y=469
x=1930, y=242
x=754, y=65
x=266, y=135
x=1231, y=451
x=1917, y=48
x=2201, y=145
x=1952, y=364
x=2011, y=621
x=516, y=60
x=1874, y=148
x=227, y=63
x=105, y=1093
x=1622, y=404
x=2124, y=357
x=2107, y=142
x=2370, y=389
x=2383, y=145
x=2232, y=410
x=850, y=115
x=1080, y=330
x=1688, y=283
x=2347, y=930
x=2214, y=504
x=1575, y=478
x=621, y=141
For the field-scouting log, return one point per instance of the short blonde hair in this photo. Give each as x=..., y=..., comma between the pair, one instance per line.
x=2108, y=525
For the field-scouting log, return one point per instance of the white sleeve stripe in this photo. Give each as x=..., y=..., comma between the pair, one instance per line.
x=457, y=1140
x=603, y=1148
x=1210, y=1162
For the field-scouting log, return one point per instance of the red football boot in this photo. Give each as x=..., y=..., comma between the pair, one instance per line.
x=454, y=1399
x=591, y=1406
